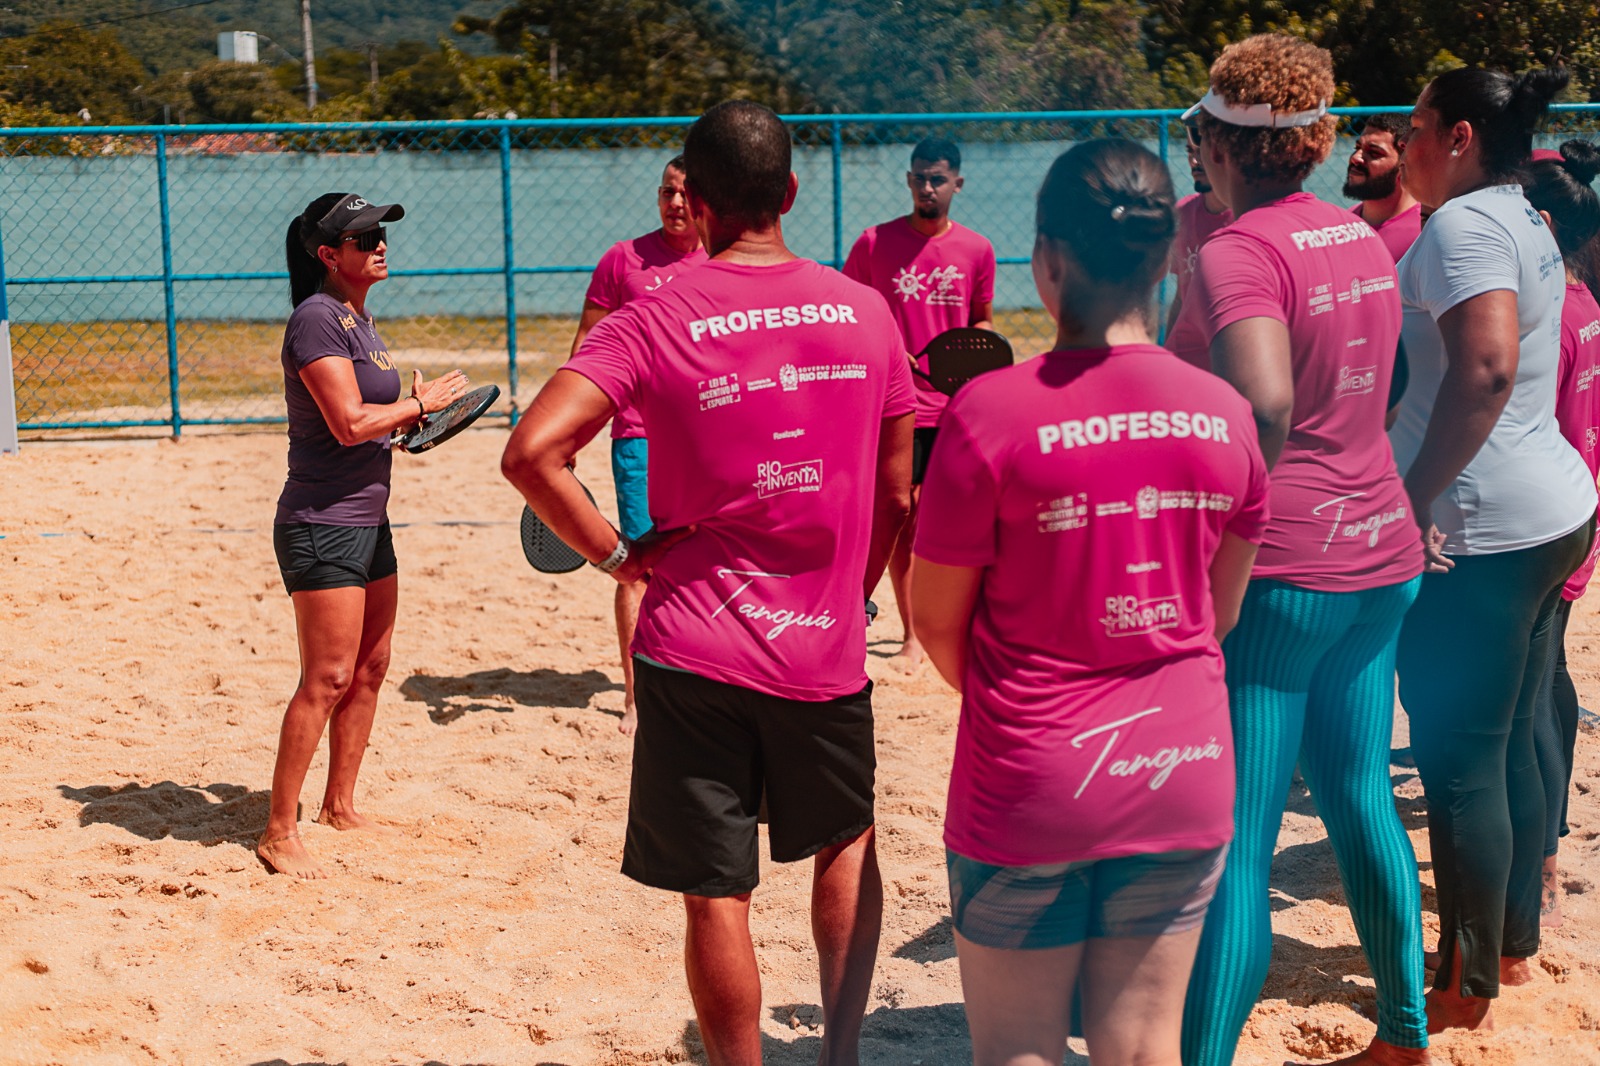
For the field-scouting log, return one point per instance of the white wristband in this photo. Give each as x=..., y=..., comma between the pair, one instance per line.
x=618, y=556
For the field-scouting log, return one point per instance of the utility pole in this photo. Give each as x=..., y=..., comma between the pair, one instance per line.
x=555, y=74
x=310, y=60
x=372, y=72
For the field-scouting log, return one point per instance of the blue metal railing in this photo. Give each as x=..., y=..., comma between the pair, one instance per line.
x=835, y=134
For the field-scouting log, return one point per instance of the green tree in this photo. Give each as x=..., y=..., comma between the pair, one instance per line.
x=616, y=57
x=415, y=81
x=1384, y=52
x=64, y=68
x=951, y=55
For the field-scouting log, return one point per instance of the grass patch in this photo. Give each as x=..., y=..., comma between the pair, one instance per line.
x=86, y=372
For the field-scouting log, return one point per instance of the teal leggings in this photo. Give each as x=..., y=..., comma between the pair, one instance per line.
x=1311, y=676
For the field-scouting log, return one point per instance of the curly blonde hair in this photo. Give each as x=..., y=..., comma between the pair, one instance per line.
x=1291, y=75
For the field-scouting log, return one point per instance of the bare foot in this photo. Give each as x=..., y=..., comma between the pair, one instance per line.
x=630, y=719
x=287, y=855
x=1514, y=972
x=909, y=657
x=1550, y=896
x=350, y=820
x=1447, y=1010
x=1382, y=1053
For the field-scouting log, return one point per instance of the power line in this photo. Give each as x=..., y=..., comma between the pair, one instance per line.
x=114, y=18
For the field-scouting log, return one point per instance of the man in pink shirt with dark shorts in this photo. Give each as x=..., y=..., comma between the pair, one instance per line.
x=628, y=271
x=778, y=403
x=937, y=275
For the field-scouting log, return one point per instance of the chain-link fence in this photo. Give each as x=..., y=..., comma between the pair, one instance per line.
x=145, y=268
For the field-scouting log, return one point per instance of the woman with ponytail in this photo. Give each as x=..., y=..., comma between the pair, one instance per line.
x=331, y=533
x=1560, y=189
x=1088, y=524
x=1294, y=304
x=1508, y=507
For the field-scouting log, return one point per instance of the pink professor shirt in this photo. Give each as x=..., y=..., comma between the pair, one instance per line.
x=931, y=284
x=1195, y=227
x=629, y=270
x=1577, y=408
x=1400, y=232
x=1094, y=487
x=1341, y=521
x=762, y=390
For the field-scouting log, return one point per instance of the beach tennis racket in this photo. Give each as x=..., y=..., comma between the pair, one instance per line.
x=956, y=356
x=443, y=425
x=546, y=552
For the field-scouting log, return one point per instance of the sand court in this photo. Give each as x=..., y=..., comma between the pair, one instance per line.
x=146, y=653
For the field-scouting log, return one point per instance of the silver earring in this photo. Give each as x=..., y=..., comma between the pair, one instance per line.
x=336, y=269
x=1453, y=151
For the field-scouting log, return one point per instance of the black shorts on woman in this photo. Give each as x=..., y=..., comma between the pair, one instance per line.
x=313, y=557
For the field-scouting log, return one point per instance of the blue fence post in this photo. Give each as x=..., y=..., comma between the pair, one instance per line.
x=510, y=266
x=166, y=284
x=8, y=385
x=1162, y=143
x=838, y=197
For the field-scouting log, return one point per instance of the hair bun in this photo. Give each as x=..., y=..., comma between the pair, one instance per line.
x=1144, y=222
x=1581, y=159
x=1533, y=91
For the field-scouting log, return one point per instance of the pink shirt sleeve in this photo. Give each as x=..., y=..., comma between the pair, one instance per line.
x=1249, y=519
x=900, y=398
x=605, y=287
x=983, y=282
x=1569, y=361
x=612, y=356
x=1234, y=281
x=958, y=512
x=858, y=264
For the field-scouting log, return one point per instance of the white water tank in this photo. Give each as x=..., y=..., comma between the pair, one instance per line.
x=239, y=46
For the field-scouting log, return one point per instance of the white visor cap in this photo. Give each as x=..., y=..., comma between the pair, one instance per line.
x=1261, y=116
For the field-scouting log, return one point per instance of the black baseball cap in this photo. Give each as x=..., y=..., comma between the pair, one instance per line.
x=352, y=212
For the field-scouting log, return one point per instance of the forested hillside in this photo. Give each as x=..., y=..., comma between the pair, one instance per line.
x=154, y=60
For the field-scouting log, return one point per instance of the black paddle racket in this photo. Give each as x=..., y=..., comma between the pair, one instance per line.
x=442, y=425
x=546, y=552
x=956, y=356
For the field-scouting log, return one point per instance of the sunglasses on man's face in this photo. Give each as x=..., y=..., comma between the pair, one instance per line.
x=368, y=239
x=1191, y=130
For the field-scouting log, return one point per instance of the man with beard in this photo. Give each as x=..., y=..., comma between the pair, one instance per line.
x=937, y=275
x=1373, y=177
x=1200, y=214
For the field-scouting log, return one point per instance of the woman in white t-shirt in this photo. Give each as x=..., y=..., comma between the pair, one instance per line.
x=1512, y=512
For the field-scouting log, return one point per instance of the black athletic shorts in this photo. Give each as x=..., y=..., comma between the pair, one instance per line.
x=313, y=557
x=709, y=756
x=922, y=439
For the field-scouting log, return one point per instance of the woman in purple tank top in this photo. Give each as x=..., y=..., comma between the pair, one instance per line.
x=331, y=533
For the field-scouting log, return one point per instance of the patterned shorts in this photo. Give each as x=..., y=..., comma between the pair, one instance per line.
x=1031, y=908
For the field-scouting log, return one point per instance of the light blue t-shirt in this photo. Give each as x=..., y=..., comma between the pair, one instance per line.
x=1526, y=486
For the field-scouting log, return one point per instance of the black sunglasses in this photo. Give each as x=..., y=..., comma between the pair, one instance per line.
x=368, y=239
x=1191, y=130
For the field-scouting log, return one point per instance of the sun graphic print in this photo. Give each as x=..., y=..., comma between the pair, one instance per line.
x=910, y=284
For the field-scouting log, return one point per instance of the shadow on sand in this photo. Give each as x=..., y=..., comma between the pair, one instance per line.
x=934, y=1036
x=212, y=814
x=451, y=698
